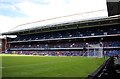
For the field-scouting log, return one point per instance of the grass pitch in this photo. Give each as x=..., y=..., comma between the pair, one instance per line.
x=39, y=66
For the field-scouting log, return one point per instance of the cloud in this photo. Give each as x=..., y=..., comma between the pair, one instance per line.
x=34, y=10
x=56, y=8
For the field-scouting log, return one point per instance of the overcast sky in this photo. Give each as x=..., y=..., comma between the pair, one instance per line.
x=16, y=12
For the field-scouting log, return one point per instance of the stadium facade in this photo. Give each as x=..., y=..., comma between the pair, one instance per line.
x=0, y=45
x=3, y=43
x=95, y=37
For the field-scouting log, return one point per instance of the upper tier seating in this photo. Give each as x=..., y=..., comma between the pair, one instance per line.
x=71, y=33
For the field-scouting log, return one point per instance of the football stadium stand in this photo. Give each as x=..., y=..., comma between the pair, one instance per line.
x=93, y=37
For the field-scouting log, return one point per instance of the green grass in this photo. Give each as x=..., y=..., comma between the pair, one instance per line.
x=37, y=66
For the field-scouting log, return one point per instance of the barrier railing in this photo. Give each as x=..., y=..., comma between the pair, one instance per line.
x=105, y=71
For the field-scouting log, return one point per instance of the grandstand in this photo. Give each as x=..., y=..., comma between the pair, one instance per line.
x=92, y=37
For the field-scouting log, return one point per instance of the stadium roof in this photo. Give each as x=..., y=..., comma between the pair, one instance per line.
x=59, y=21
x=113, y=0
